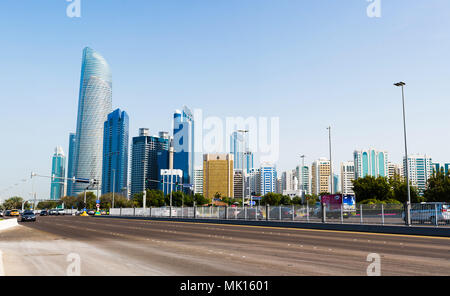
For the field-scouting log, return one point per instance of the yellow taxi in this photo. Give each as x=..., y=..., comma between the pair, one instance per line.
x=14, y=212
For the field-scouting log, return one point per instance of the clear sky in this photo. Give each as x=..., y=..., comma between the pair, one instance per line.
x=311, y=63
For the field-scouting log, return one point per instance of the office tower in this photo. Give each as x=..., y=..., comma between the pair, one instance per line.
x=370, y=163
x=94, y=105
x=218, y=176
x=347, y=176
x=255, y=181
x=420, y=170
x=289, y=181
x=148, y=154
x=243, y=158
x=304, y=179
x=320, y=171
x=269, y=179
x=238, y=184
x=183, y=143
x=115, y=152
x=198, y=180
x=437, y=167
x=395, y=169
x=58, y=174
x=336, y=183
x=72, y=138
x=171, y=181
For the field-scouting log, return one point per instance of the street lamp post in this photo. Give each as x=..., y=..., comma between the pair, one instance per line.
x=402, y=85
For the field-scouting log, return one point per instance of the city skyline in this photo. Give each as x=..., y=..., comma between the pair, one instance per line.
x=256, y=92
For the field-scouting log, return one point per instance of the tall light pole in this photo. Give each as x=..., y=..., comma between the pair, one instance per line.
x=331, y=162
x=402, y=85
x=243, y=178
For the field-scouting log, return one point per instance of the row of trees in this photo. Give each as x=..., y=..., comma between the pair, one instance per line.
x=395, y=189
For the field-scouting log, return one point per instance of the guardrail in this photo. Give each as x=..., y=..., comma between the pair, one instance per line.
x=432, y=214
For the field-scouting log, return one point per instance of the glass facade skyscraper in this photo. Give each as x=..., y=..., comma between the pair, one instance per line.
x=183, y=144
x=58, y=173
x=115, y=152
x=242, y=157
x=70, y=175
x=370, y=163
x=268, y=179
x=146, y=160
x=94, y=105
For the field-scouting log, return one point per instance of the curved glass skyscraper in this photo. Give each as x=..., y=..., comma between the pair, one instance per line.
x=94, y=105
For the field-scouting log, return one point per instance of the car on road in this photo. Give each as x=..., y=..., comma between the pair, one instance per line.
x=1, y=213
x=43, y=213
x=91, y=212
x=27, y=216
x=14, y=212
x=53, y=212
x=433, y=213
x=7, y=213
x=61, y=212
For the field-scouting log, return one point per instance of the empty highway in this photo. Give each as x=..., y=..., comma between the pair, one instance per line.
x=110, y=246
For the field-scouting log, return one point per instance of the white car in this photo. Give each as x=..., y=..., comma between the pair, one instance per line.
x=430, y=212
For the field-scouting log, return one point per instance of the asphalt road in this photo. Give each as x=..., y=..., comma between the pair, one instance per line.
x=140, y=247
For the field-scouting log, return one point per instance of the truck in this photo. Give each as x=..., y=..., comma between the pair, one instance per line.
x=333, y=204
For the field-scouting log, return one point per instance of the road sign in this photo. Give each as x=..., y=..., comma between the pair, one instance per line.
x=97, y=201
x=252, y=203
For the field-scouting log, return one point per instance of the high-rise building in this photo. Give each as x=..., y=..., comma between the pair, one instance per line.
x=437, y=167
x=289, y=181
x=254, y=178
x=183, y=143
x=370, y=163
x=347, y=176
x=146, y=160
x=243, y=158
x=198, y=180
x=94, y=105
x=320, y=172
x=395, y=169
x=171, y=181
x=238, y=184
x=218, y=175
x=420, y=169
x=269, y=178
x=115, y=152
x=70, y=175
x=58, y=174
x=336, y=183
x=304, y=178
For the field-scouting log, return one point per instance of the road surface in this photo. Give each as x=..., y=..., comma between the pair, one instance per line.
x=107, y=246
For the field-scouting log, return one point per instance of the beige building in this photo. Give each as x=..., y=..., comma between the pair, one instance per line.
x=347, y=177
x=320, y=172
x=218, y=175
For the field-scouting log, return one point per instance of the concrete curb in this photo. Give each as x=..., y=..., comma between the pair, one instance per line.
x=8, y=223
x=386, y=229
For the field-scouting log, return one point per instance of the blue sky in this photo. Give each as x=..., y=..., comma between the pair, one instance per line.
x=311, y=63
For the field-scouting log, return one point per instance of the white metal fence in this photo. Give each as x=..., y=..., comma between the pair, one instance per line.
x=433, y=214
